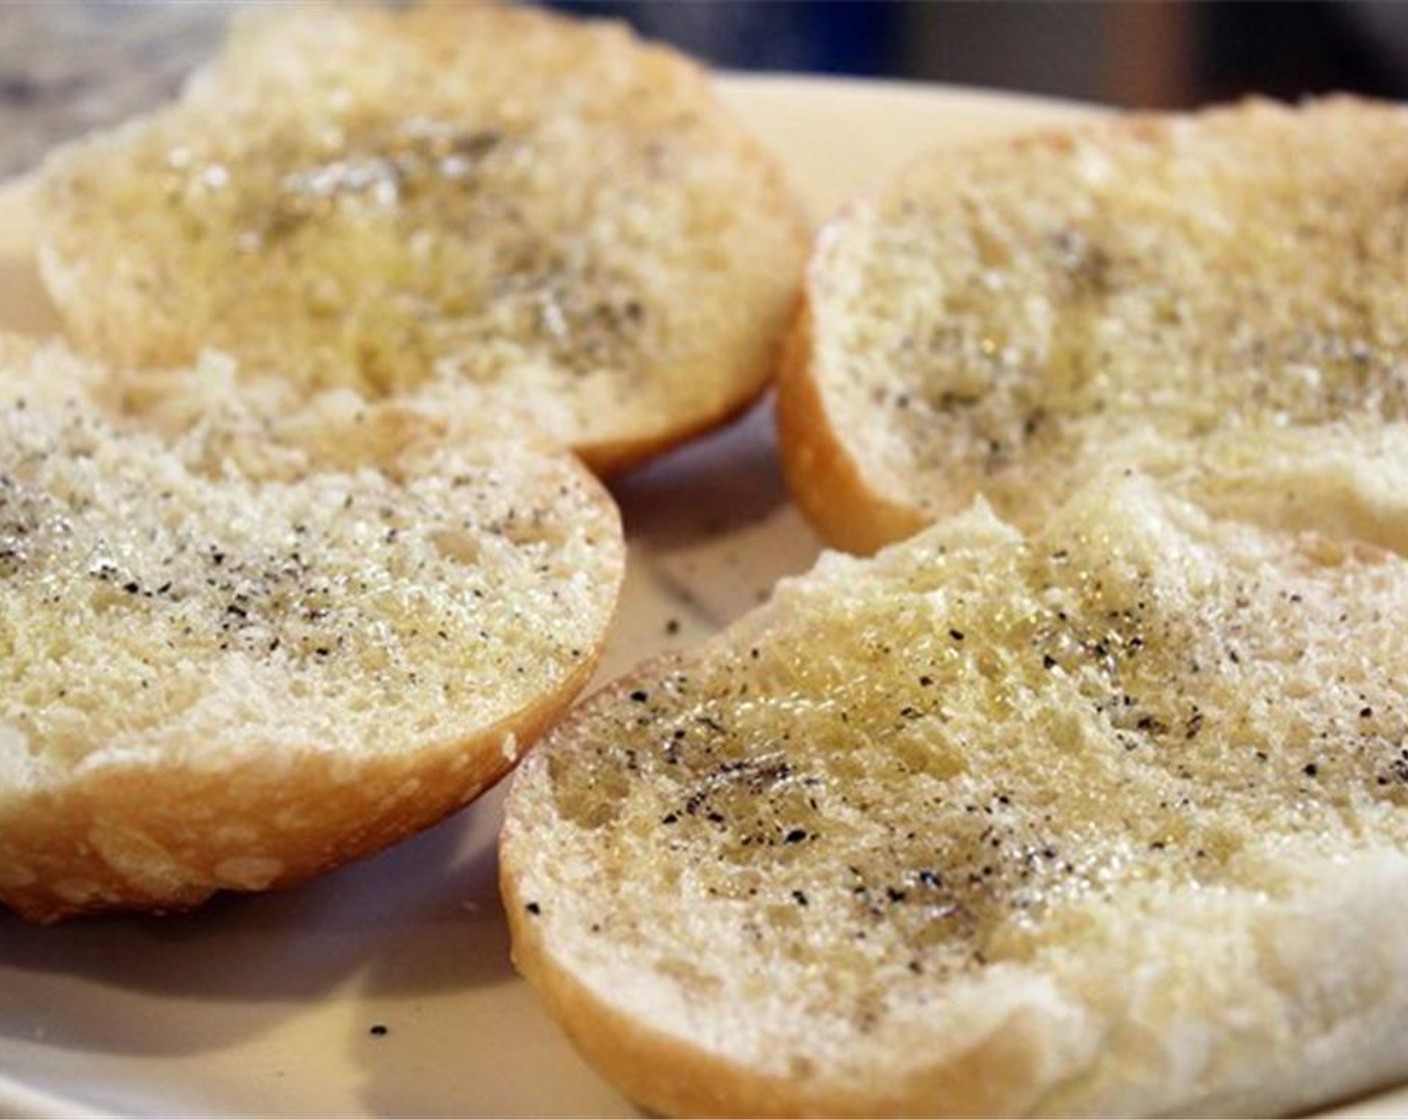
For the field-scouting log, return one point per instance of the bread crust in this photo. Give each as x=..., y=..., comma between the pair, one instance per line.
x=647, y=320
x=993, y=1074
x=613, y=459
x=825, y=480
x=1008, y=1071
x=990, y=1075
x=112, y=838
x=1268, y=982
x=1044, y=308
x=236, y=778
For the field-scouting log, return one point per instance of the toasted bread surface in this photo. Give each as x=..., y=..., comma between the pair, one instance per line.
x=1009, y=318
x=547, y=209
x=237, y=651
x=1104, y=820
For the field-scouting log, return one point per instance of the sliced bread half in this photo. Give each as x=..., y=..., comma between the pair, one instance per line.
x=249, y=652
x=1107, y=820
x=379, y=199
x=1008, y=318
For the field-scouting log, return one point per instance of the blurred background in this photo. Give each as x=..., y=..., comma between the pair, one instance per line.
x=1149, y=54
x=70, y=65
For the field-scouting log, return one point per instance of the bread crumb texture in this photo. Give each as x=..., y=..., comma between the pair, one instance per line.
x=223, y=666
x=1106, y=820
x=460, y=194
x=1194, y=295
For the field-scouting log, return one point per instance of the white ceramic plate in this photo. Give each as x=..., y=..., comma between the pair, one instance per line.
x=266, y=1005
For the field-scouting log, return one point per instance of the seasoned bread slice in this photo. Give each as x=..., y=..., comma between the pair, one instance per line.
x=1107, y=820
x=545, y=208
x=224, y=667
x=1008, y=318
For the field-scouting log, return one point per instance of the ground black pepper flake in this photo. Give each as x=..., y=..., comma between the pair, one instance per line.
x=1310, y=770
x=956, y=635
x=379, y=1030
x=795, y=836
x=533, y=908
x=640, y=696
x=1048, y=662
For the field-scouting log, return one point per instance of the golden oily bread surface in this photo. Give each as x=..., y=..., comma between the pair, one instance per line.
x=1107, y=820
x=1195, y=295
x=548, y=209
x=229, y=663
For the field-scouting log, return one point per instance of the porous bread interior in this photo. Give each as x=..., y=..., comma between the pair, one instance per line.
x=543, y=207
x=189, y=605
x=1007, y=319
x=997, y=823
